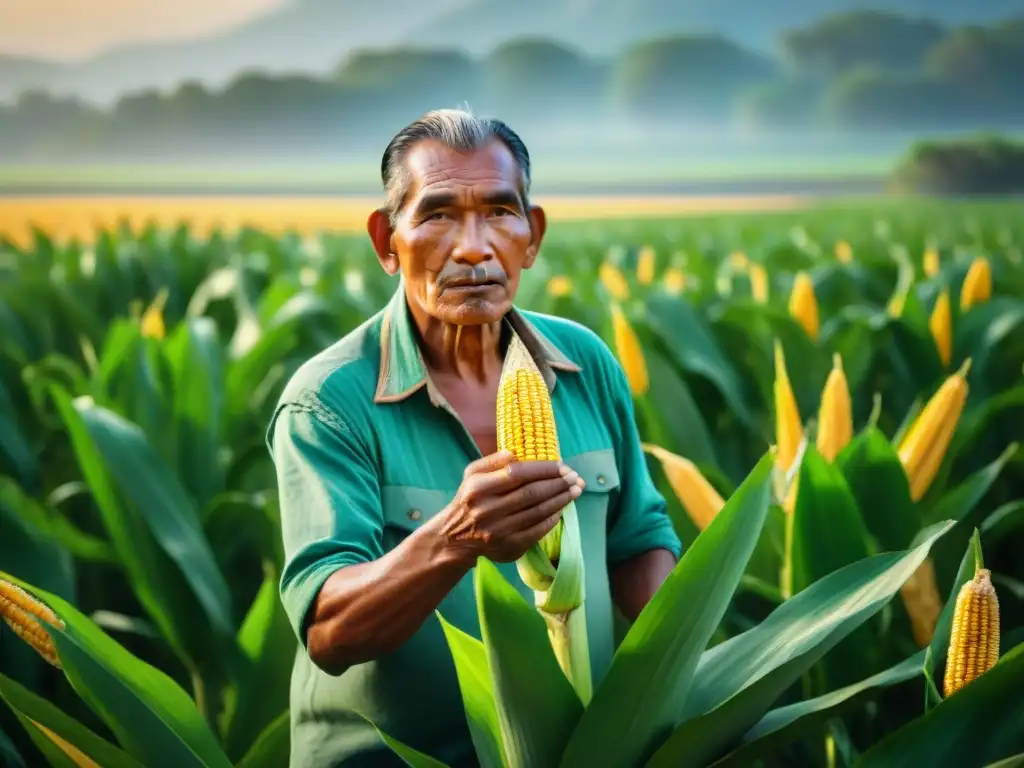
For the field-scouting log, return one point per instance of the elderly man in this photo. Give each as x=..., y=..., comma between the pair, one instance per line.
x=390, y=482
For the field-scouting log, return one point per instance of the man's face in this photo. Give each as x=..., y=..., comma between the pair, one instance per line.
x=463, y=235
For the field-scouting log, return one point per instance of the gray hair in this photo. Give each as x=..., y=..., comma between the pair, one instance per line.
x=456, y=129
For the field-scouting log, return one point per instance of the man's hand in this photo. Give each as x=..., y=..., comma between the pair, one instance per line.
x=504, y=506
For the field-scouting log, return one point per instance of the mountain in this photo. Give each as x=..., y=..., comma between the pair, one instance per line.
x=314, y=36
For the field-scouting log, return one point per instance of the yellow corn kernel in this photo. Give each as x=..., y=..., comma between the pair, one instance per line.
x=152, y=321
x=803, y=305
x=835, y=414
x=931, y=262
x=674, y=280
x=613, y=281
x=940, y=323
x=559, y=285
x=21, y=612
x=788, y=427
x=525, y=418
x=921, y=599
x=629, y=351
x=977, y=287
x=922, y=450
x=758, y=282
x=843, y=251
x=698, y=497
x=974, y=636
x=645, y=266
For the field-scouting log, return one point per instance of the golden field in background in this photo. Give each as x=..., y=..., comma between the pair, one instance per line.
x=71, y=216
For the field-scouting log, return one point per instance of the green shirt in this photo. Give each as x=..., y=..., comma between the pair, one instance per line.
x=366, y=450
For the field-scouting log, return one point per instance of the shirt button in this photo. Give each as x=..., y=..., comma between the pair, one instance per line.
x=414, y=514
x=600, y=479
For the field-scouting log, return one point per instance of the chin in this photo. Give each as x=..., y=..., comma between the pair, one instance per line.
x=474, y=311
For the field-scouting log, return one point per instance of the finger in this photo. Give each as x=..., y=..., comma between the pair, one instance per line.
x=516, y=524
x=489, y=463
x=525, y=539
x=520, y=473
x=494, y=506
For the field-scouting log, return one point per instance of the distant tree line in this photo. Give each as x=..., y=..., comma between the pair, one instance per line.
x=989, y=165
x=858, y=71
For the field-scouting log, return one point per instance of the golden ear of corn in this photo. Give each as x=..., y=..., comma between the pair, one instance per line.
x=923, y=448
x=788, y=427
x=629, y=351
x=803, y=305
x=152, y=321
x=931, y=262
x=645, y=266
x=940, y=325
x=921, y=599
x=758, y=282
x=974, y=636
x=977, y=287
x=613, y=281
x=21, y=612
x=674, y=280
x=835, y=414
x=553, y=568
x=843, y=251
x=559, y=285
x=698, y=497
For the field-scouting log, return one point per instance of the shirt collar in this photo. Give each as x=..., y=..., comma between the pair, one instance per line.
x=402, y=371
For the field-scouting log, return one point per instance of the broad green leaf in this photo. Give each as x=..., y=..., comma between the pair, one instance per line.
x=785, y=724
x=879, y=484
x=979, y=336
x=537, y=708
x=1014, y=761
x=35, y=711
x=737, y=681
x=648, y=682
x=14, y=448
x=474, y=678
x=153, y=719
x=980, y=723
x=1006, y=520
x=272, y=748
x=9, y=755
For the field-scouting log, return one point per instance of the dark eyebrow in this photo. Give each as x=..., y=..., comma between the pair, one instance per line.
x=433, y=201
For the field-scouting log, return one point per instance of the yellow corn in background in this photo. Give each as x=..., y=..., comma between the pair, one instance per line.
x=931, y=262
x=645, y=266
x=843, y=251
x=835, y=415
x=698, y=497
x=940, y=323
x=974, y=636
x=920, y=595
x=559, y=285
x=803, y=305
x=674, y=280
x=977, y=286
x=922, y=450
x=613, y=281
x=788, y=427
x=758, y=282
x=629, y=352
x=21, y=611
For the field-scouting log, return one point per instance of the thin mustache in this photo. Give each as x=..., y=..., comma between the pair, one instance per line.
x=478, y=274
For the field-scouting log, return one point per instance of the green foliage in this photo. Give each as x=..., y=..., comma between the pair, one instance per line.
x=988, y=165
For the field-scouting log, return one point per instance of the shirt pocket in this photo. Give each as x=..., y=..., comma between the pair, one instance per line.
x=407, y=507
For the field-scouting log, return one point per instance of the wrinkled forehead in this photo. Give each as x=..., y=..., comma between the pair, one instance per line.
x=487, y=171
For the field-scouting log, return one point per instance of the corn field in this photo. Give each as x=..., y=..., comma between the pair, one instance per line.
x=831, y=401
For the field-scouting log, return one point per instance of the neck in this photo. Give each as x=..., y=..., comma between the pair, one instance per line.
x=469, y=352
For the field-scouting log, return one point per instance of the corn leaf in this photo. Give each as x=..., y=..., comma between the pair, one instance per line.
x=1014, y=761
x=980, y=723
x=33, y=711
x=474, y=678
x=272, y=748
x=737, y=681
x=153, y=719
x=537, y=707
x=647, y=685
x=15, y=451
x=878, y=482
x=9, y=755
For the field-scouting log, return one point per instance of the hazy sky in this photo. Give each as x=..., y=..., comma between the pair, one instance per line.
x=75, y=28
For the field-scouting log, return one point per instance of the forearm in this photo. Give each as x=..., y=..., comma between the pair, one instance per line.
x=370, y=609
x=634, y=581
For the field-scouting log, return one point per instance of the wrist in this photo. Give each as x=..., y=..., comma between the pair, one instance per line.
x=444, y=550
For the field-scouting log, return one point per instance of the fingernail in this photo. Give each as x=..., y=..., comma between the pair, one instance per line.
x=572, y=477
x=575, y=491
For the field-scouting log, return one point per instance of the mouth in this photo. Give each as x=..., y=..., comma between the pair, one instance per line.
x=471, y=284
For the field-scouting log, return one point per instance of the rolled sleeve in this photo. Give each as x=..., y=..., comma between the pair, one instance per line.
x=330, y=509
x=639, y=520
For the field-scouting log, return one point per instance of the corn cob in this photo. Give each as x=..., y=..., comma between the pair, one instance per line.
x=803, y=305
x=674, y=280
x=613, y=281
x=931, y=262
x=921, y=599
x=152, y=321
x=645, y=266
x=629, y=351
x=552, y=568
x=974, y=636
x=843, y=251
x=559, y=285
x=700, y=499
x=788, y=427
x=21, y=612
x=835, y=419
x=940, y=325
x=758, y=282
x=977, y=287
x=922, y=450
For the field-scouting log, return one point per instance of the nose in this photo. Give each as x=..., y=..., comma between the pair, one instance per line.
x=472, y=245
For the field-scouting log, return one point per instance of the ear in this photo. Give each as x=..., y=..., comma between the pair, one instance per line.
x=538, y=226
x=381, y=233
